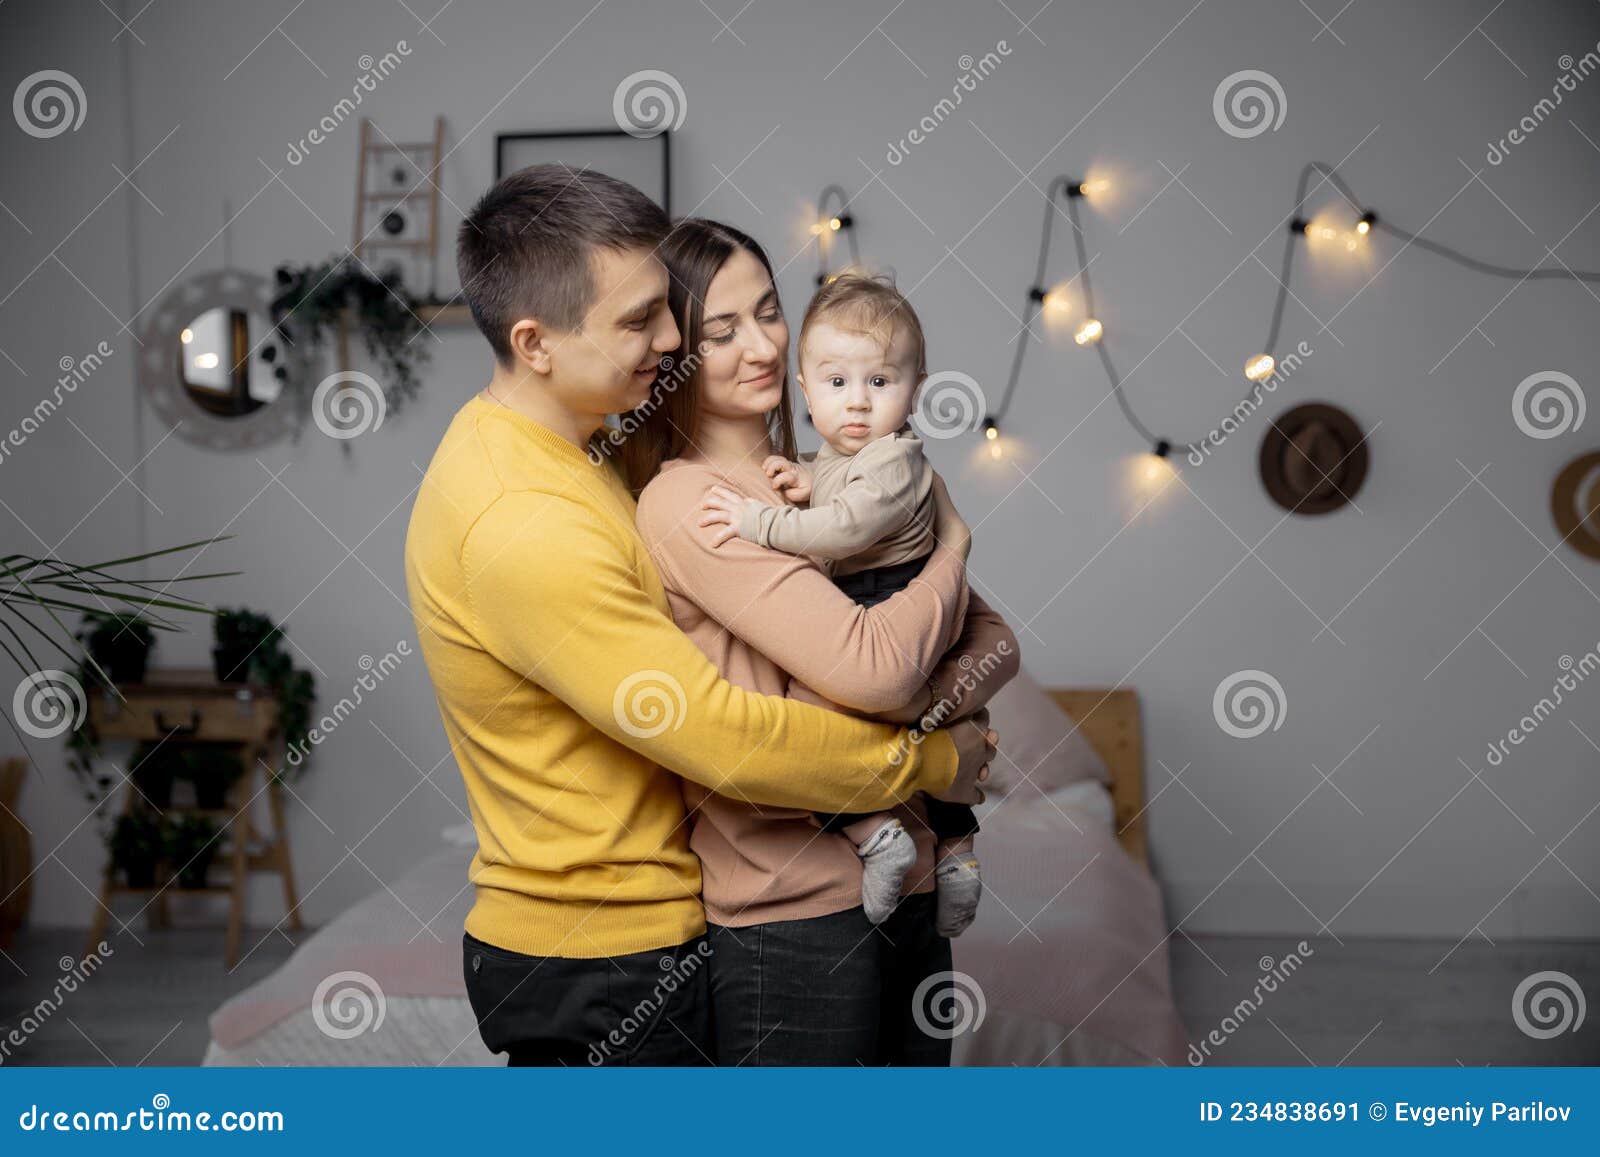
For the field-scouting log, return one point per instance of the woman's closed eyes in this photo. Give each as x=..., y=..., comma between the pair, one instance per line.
x=724, y=338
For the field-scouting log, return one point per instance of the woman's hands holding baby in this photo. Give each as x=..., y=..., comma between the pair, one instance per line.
x=948, y=527
x=788, y=478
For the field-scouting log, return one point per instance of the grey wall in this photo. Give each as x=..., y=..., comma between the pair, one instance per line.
x=1449, y=597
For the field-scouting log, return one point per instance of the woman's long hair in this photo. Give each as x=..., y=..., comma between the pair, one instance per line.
x=667, y=424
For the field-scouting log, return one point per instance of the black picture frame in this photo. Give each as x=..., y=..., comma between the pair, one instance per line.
x=506, y=162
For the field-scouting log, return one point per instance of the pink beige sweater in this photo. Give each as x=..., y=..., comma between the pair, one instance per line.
x=761, y=617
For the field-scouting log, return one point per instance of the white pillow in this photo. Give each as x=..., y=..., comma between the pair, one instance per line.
x=1039, y=743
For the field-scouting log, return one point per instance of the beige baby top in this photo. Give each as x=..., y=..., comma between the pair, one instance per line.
x=868, y=509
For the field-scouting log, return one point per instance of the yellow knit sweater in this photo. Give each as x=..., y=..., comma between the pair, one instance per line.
x=568, y=696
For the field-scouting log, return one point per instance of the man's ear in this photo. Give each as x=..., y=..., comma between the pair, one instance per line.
x=530, y=346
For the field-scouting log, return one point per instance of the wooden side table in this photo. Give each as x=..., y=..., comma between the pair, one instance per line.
x=188, y=705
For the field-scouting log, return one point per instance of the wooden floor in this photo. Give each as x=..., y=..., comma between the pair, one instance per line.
x=1366, y=1002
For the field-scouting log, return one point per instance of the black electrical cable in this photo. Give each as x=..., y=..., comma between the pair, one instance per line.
x=1297, y=226
x=846, y=226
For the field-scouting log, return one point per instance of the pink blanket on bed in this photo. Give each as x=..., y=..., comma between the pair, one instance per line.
x=1070, y=929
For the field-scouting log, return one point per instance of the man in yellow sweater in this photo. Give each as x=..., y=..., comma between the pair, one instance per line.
x=570, y=699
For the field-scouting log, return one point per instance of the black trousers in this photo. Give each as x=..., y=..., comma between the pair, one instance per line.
x=831, y=990
x=643, y=1008
x=947, y=821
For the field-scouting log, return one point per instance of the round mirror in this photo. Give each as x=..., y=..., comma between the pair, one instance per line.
x=226, y=359
x=215, y=368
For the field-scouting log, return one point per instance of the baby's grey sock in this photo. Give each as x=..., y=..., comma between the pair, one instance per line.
x=959, y=884
x=886, y=856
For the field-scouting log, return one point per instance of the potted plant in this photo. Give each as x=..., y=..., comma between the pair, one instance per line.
x=240, y=635
x=316, y=302
x=120, y=642
x=212, y=768
x=155, y=765
x=240, y=632
x=136, y=848
x=191, y=845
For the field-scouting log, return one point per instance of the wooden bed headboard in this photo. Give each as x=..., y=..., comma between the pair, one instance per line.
x=1109, y=719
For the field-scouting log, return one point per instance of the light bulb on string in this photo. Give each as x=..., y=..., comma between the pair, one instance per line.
x=1158, y=464
x=1260, y=367
x=1089, y=332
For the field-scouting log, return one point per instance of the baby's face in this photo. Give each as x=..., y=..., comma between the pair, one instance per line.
x=856, y=389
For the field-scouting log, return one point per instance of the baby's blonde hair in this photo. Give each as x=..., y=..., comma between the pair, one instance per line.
x=866, y=304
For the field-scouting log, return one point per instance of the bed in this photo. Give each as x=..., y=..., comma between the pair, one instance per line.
x=1065, y=965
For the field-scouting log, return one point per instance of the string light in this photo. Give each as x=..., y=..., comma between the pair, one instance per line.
x=828, y=224
x=1258, y=368
x=186, y=336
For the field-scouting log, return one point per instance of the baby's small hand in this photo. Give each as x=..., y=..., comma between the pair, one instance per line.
x=790, y=479
x=720, y=508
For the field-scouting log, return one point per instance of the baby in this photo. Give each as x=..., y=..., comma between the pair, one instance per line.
x=871, y=515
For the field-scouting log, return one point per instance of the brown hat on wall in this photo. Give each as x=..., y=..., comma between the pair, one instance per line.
x=1313, y=459
x=1575, y=503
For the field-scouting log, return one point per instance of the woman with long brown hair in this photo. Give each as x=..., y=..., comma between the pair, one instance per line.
x=797, y=974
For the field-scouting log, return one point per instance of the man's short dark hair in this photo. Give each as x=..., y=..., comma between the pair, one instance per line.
x=526, y=247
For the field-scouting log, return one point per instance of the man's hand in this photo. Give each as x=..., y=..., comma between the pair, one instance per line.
x=975, y=745
x=790, y=479
x=720, y=509
x=948, y=526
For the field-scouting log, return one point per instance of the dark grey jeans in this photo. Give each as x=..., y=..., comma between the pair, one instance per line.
x=644, y=1008
x=831, y=990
